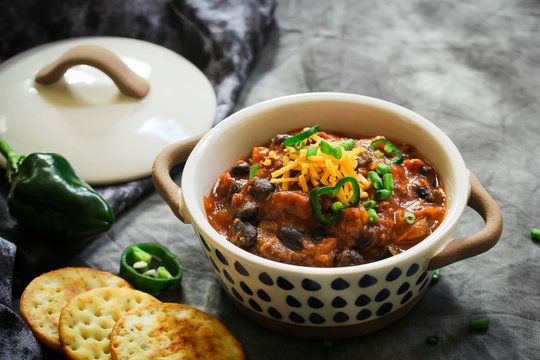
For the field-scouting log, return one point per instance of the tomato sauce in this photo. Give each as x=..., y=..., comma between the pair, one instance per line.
x=273, y=218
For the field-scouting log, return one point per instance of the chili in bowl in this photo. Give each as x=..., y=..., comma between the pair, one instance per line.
x=311, y=198
x=307, y=257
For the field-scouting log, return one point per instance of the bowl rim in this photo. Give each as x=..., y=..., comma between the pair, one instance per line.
x=428, y=247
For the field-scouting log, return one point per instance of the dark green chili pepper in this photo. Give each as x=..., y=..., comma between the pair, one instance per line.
x=389, y=149
x=167, y=275
x=336, y=206
x=301, y=136
x=46, y=195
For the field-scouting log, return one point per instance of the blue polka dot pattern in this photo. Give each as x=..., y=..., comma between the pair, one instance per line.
x=404, y=287
x=339, y=284
x=426, y=281
x=311, y=285
x=263, y=295
x=266, y=279
x=254, y=305
x=382, y=295
x=413, y=269
x=204, y=243
x=245, y=288
x=284, y=283
x=363, y=314
x=240, y=269
x=292, y=301
x=221, y=257
x=274, y=313
x=406, y=298
x=384, y=309
x=393, y=274
x=421, y=278
x=341, y=317
x=228, y=276
x=214, y=264
x=362, y=300
x=315, y=303
x=297, y=318
x=339, y=302
x=316, y=318
x=367, y=281
x=237, y=295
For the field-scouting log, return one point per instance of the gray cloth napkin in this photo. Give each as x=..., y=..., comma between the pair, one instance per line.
x=222, y=38
x=16, y=340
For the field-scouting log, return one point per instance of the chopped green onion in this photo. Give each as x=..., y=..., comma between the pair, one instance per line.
x=299, y=145
x=375, y=179
x=348, y=144
x=373, y=216
x=252, y=170
x=311, y=151
x=141, y=255
x=388, y=148
x=301, y=136
x=326, y=148
x=409, y=218
x=369, y=204
x=432, y=340
x=383, y=194
x=336, y=152
x=479, y=324
x=436, y=276
x=378, y=154
x=163, y=273
x=337, y=206
x=382, y=168
x=535, y=233
x=388, y=181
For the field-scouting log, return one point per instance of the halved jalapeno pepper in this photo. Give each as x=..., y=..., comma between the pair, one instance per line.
x=150, y=267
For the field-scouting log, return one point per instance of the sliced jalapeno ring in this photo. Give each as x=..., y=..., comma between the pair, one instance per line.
x=153, y=281
x=336, y=206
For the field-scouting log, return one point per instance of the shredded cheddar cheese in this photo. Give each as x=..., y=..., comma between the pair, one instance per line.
x=318, y=170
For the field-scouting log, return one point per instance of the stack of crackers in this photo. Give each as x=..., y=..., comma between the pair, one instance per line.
x=91, y=314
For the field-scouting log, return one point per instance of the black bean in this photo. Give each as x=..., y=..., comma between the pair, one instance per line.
x=246, y=211
x=291, y=237
x=236, y=186
x=261, y=188
x=317, y=233
x=279, y=139
x=349, y=257
x=424, y=192
x=244, y=234
x=241, y=168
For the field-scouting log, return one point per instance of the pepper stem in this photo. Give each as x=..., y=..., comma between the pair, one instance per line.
x=13, y=159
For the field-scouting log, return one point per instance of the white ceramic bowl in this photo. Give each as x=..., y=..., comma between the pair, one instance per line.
x=325, y=302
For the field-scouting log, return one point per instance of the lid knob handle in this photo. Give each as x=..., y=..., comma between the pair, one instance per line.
x=128, y=82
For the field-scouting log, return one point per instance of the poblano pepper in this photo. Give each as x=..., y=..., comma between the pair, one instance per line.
x=46, y=195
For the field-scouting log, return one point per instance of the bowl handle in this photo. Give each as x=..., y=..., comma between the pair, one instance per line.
x=170, y=156
x=473, y=245
x=128, y=82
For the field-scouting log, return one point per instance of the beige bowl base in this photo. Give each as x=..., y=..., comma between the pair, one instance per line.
x=327, y=332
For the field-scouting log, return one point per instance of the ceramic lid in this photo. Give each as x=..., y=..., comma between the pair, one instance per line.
x=106, y=135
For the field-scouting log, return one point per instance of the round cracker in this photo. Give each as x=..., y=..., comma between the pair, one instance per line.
x=45, y=297
x=87, y=321
x=172, y=331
